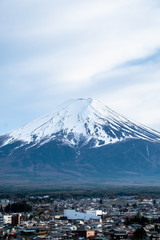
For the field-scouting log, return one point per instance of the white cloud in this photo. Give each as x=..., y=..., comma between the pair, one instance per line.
x=88, y=37
x=54, y=50
x=137, y=95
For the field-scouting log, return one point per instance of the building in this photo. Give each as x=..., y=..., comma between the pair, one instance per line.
x=16, y=220
x=1, y=219
x=7, y=219
x=83, y=233
x=89, y=214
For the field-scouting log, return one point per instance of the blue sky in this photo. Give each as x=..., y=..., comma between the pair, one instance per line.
x=54, y=50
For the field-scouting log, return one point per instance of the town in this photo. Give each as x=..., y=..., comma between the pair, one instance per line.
x=44, y=217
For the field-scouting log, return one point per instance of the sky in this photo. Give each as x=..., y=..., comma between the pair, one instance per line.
x=55, y=50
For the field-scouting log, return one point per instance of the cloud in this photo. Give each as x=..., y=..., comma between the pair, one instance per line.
x=135, y=92
x=55, y=50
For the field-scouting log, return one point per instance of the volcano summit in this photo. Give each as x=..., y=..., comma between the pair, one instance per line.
x=82, y=142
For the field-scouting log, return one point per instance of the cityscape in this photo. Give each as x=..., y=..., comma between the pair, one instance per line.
x=44, y=217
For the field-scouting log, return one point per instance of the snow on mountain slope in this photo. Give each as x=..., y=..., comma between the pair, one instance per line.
x=82, y=120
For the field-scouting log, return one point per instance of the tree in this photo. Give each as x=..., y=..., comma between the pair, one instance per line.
x=139, y=234
x=137, y=219
x=154, y=202
x=18, y=207
x=1, y=209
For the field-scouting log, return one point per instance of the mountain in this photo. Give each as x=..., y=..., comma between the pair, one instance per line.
x=82, y=142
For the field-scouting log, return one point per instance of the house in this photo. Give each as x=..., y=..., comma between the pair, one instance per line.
x=57, y=236
x=83, y=233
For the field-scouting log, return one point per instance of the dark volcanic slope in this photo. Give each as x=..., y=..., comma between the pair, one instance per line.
x=136, y=161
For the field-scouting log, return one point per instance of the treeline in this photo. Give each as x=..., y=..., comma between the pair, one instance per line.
x=81, y=192
x=18, y=207
x=138, y=219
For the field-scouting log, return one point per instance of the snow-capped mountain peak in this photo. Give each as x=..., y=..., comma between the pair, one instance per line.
x=81, y=120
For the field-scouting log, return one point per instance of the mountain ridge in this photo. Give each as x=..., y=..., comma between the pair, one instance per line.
x=83, y=142
x=82, y=118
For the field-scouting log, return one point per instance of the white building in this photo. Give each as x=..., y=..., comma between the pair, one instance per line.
x=4, y=201
x=89, y=214
x=5, y=219
x=68, y=227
